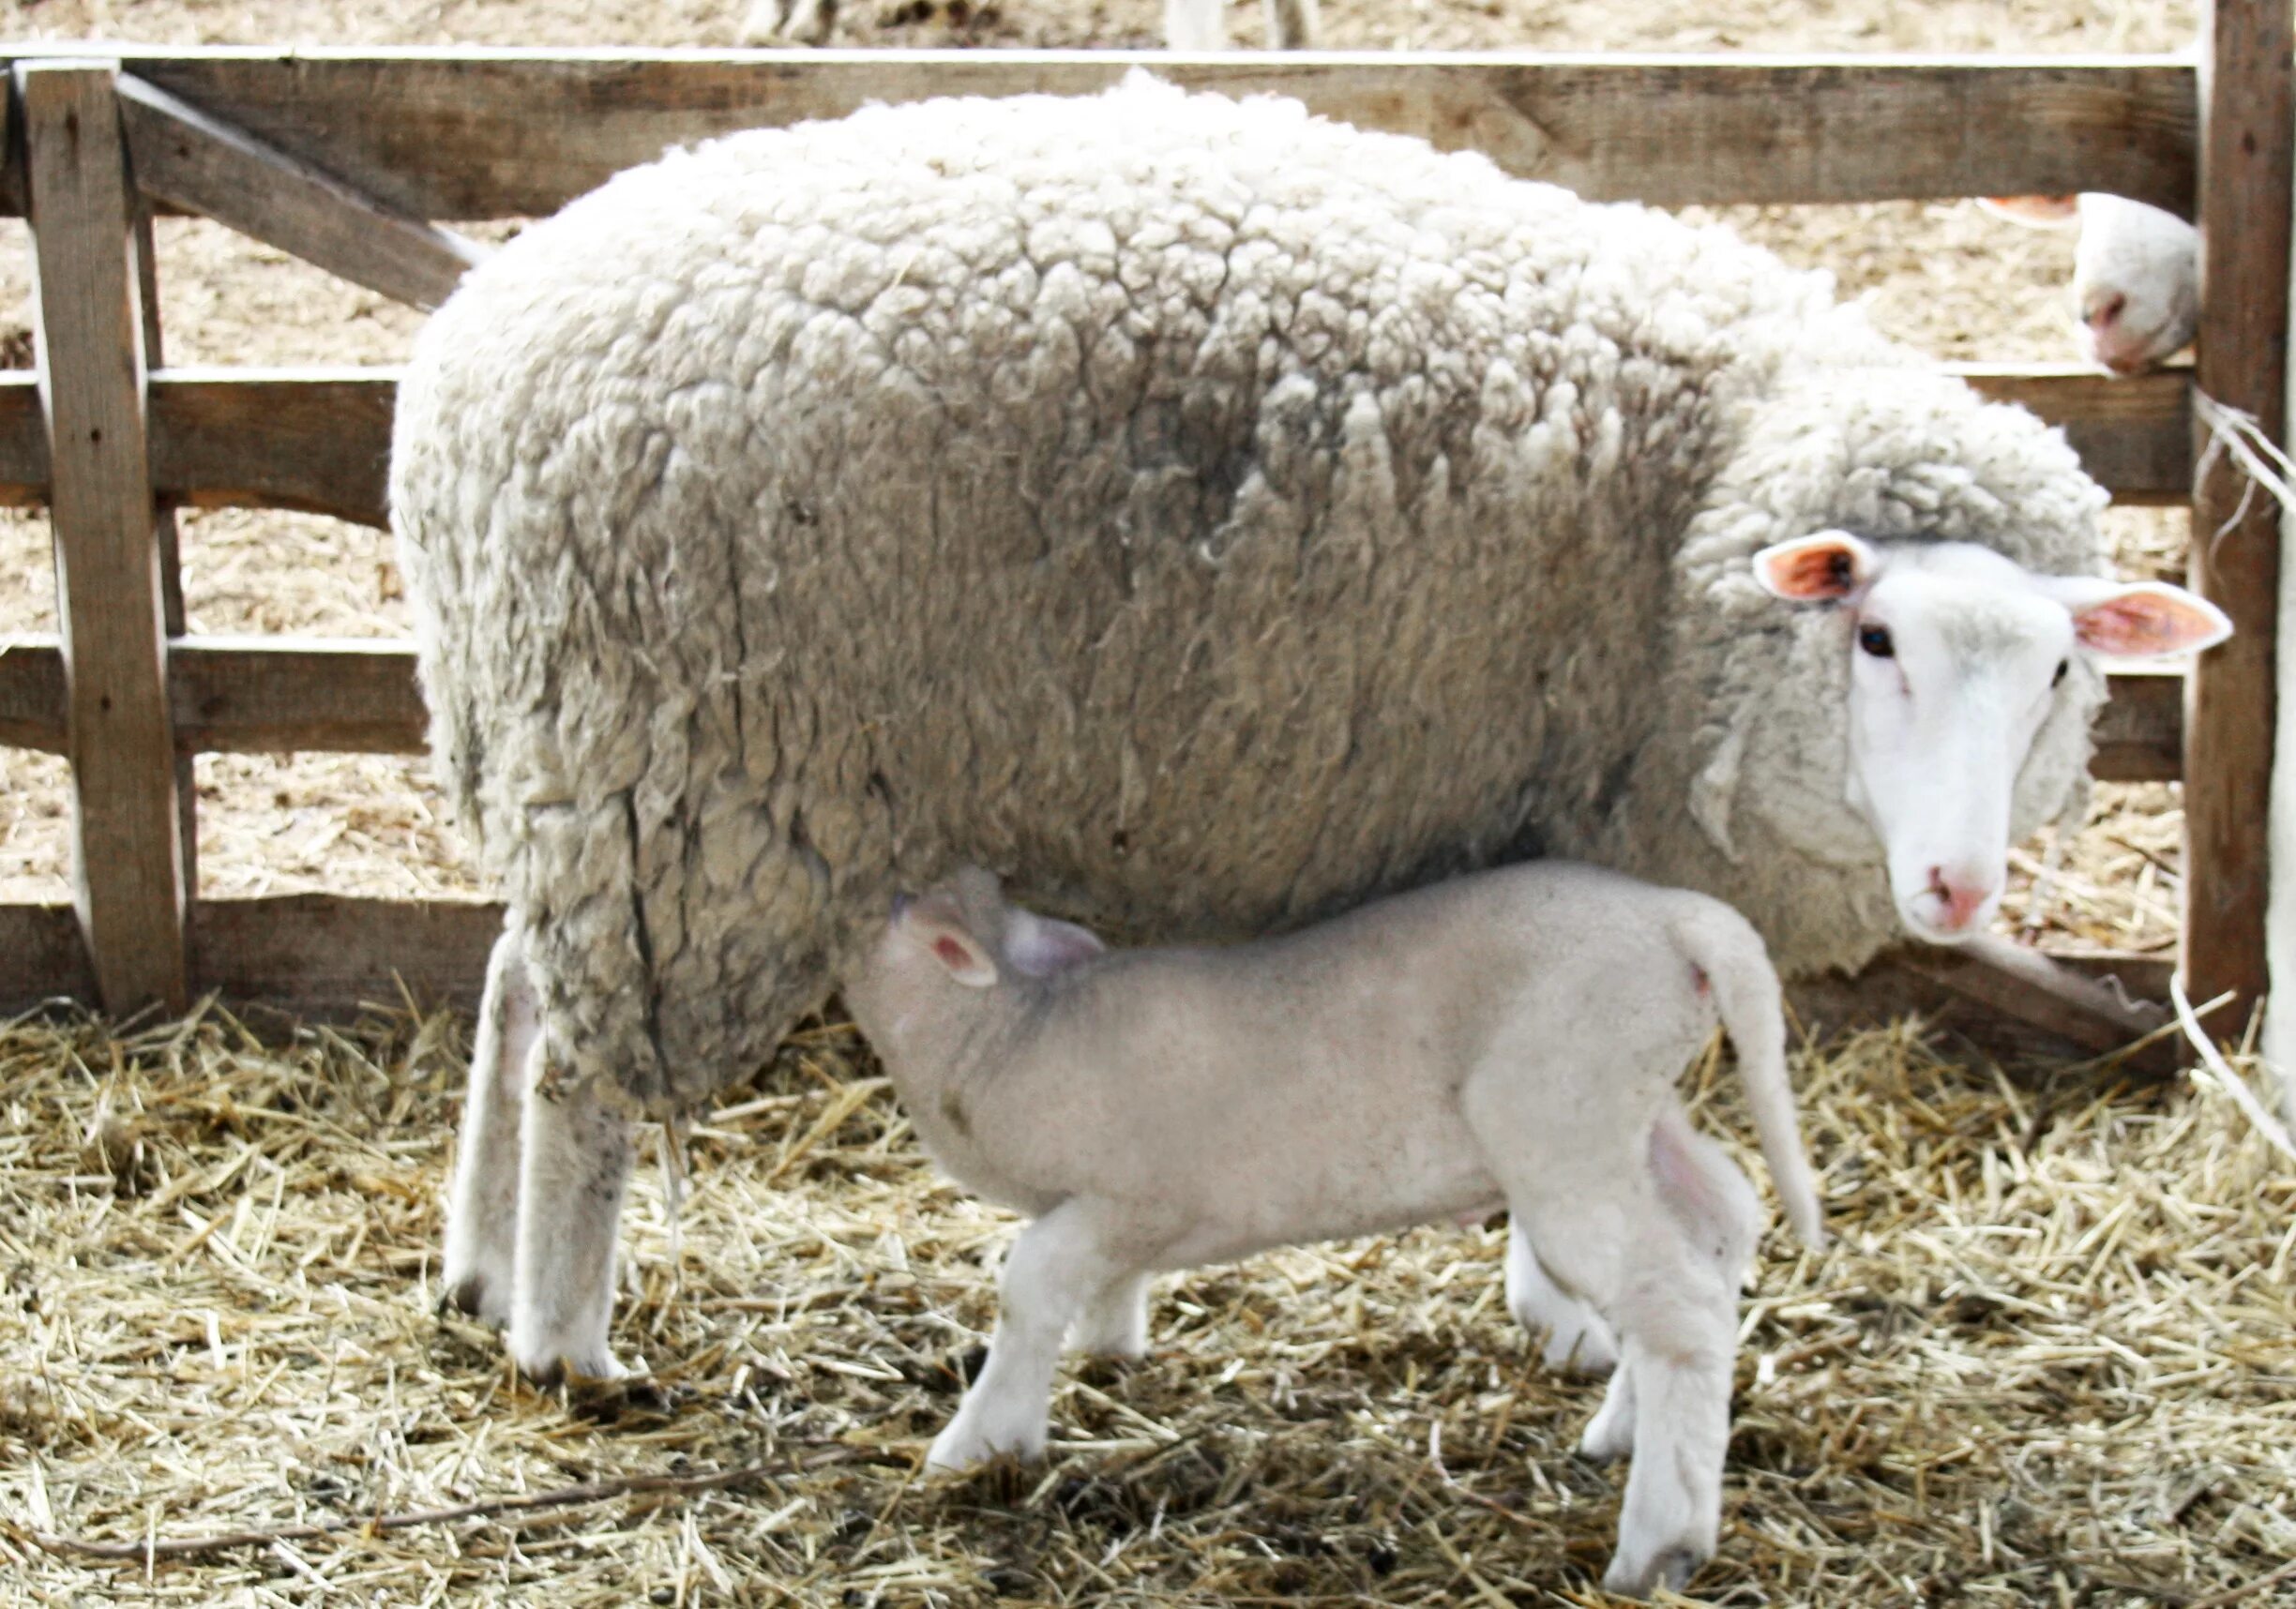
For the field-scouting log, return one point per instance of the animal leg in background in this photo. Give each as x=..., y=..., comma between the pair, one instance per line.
x=574, y=1166
x=1578, y=1341
x=1292, y=24
x=1054, y=1266
x=479, y=1263
x=1114, y=1322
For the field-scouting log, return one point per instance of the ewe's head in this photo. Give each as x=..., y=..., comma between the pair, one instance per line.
x=1959, y=659
x=2136, y=274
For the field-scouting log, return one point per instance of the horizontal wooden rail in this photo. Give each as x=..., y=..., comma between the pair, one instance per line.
x=317, y=955
x=275, y=695
x=473, y=134
x=315, y=440
x=318, y=440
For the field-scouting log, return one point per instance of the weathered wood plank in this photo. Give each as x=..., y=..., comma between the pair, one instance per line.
x=467, y=134
x=313, y=440
x=199, y=162
x=2134, y=435
x=2140, y=732
x=128, y=864
x=270, y=694
x=319, y=440
x=42, y=957
x=2247, y=159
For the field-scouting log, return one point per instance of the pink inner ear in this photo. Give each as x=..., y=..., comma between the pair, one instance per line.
x=955, y=956
x=1822, y=570
x=2033, y=209
x=2145, y=622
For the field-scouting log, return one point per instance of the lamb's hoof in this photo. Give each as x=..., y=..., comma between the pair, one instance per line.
x=964, y=1447
x=1669, y=1567
x=1584, y=1349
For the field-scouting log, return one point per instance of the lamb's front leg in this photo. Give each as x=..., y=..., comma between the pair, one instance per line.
x=1578, y=1341
x=576, y=1164
x=1054, y=1266
x=480, y=1258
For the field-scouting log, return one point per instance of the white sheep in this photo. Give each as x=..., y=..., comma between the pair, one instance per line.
x=1188, y=25
x=1215, y=516
x=2136, y=274
x=1509, y=1039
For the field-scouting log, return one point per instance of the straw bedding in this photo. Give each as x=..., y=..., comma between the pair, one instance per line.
x=2049, y=1361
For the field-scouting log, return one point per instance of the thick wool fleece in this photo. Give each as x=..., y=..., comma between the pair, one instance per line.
x=1204, y=513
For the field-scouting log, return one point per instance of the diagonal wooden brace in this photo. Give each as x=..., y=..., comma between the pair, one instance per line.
x=190, y=159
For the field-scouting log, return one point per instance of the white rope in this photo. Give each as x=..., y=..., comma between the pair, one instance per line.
x=2234, y=431
x=2221, y=1071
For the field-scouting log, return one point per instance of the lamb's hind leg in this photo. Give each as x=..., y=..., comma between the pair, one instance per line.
x=1114, y=1322
x=1577, y=1339
x=479, y=1262
x=574, y=1168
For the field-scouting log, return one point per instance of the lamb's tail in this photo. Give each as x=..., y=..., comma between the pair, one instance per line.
x=1724, y=945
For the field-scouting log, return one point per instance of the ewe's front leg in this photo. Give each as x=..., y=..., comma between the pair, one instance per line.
x=575, y=1167
x=1577, y=1339
x=1053, y=1266
x=789, y=22
x=479, y=1262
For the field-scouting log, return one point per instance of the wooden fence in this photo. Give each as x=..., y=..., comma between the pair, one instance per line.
x=350, y=158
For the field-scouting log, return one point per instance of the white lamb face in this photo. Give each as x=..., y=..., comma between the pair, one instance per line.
x=1958, y=659
x=953, y=954
x=2136, y=274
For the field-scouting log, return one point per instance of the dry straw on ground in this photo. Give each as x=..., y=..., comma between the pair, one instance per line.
x=2049, y=1361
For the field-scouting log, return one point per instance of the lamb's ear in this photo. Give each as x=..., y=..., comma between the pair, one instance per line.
x=1039, y=947
x=934, y=924
x=1823, y=567
x=2138, y=620
x=2034, y=212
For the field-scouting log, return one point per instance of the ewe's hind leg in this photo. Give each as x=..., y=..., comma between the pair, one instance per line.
x=1290, y=24
x=482, y=1252
x=1114, y=1323
x=1053, y=1266
x=1578, y=1341
x=575, y=1166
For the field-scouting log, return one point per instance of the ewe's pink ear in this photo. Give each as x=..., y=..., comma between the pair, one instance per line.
x=2144, y=620
x=1039, y=947
x=1821, y=568
x=2034, y=212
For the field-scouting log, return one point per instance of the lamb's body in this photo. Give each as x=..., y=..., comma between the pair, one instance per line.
x=1509, y=1039
x=1212, y=514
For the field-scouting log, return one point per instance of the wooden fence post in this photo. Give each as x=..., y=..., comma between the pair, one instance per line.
x=110, y=589
x=2246, y=169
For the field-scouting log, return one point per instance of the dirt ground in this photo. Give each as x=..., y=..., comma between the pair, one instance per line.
x=2050, y=1364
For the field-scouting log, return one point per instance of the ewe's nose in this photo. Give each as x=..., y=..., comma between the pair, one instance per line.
x=1956, y=896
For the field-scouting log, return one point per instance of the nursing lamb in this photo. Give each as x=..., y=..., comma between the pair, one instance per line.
x=1507, y=1039
x=1212, y=514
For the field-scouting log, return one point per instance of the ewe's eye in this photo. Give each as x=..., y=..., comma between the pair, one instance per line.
x=1875, y=640
x=2063, y=666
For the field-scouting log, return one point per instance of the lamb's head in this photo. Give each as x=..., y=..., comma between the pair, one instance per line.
x=953, y=954
x=2136, y=274
x=1964, y=666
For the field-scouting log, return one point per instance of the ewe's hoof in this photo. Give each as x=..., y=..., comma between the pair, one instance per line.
x=474, y=1297
x=549, y=1366
x=963, y=1448
x=1671, y=1567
